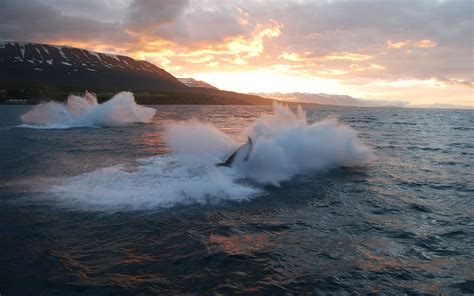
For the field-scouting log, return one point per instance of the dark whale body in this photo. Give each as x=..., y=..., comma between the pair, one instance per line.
x=243, y=153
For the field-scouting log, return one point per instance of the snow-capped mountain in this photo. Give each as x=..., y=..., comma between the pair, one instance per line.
x=33, y=63
x=326, y=99
x=191, y=82
x=31, y=72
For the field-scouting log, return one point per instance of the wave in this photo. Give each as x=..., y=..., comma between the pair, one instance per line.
x=85, y=111
x=285, y=145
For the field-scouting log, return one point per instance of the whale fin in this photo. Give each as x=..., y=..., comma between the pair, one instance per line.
x=245, y=149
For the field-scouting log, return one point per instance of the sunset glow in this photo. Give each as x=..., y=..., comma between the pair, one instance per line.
x=271, y=46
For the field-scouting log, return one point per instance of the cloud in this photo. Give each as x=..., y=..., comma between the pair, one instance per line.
x=349, y=56
x=35, y=21
x=103, y=10
x=355, y=43
x=426, y=43
x=469, y=83
x=149, y=16
x=397, y=45
x=432, y=37
x=186, y=23
x=292, y=56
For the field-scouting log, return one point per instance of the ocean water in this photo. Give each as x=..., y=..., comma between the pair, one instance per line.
x=108, y=210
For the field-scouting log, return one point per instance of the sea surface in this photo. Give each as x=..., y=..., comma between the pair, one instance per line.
x=403, y=223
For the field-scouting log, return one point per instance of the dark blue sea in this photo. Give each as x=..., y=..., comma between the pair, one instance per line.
x=102, y=211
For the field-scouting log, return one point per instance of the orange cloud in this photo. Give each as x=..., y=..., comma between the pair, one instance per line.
x=398, y=44
x=254, y=46
x=331, y=72
x=376, y=67
x=294, y=57
x=357, y=68
x=230, y=53
x=347, y=56
x=239, y=61
x=282, y=67
x=360, y=68
x=426, y=43
x=202, y=59
x=243, y=17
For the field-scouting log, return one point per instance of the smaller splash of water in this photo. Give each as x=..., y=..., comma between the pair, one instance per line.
x=85, y=111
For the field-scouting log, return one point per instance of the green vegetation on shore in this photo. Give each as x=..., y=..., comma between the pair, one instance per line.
x=27, y=94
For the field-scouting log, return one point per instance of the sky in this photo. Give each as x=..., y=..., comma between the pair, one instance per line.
x=421, y=52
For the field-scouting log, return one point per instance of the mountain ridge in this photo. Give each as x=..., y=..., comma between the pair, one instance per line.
x=191, y=82
x=330, y=99
x=34, y=71
x=65, y=65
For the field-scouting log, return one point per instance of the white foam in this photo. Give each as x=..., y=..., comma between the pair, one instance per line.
x=85, y=111
x=154, y=182
x=285, y=145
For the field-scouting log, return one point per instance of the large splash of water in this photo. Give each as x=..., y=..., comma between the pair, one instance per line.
x=285, y=145
x=85, y=111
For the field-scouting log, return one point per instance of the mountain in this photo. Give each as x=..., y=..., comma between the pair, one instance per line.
x=191, y=82
x=326, y=99
x=32, y=72
x=32, y=63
